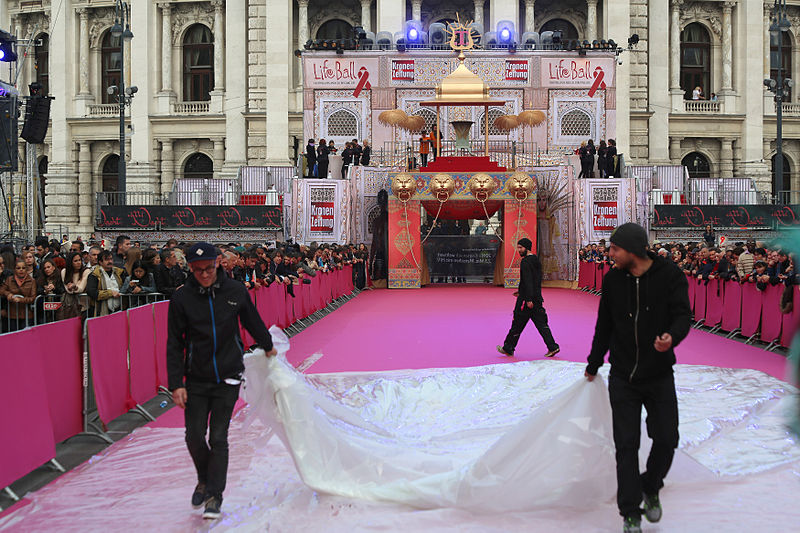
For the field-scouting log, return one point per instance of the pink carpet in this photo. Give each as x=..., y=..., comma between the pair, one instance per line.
x=459, y=326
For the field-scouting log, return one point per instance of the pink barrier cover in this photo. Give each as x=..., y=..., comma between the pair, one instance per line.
x=160, y=311
x=265, y=305
x=61, y=349
x=692, y=290
x=771, y=318
x=585, y=275
x=598, y=277
x=108, y=353
x=714, y=298
x=26, y=440
x=751, y=309
x=789, y=326
x=732, y=306
x=699, y=298
x=142, y=347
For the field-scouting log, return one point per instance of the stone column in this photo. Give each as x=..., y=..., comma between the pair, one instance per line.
x=236, y=92
x=391, y=15
x=618, y=17
x=727, y=49
x=217, y=96
x=675, y=150
x=416, y=9
x=503, y=10
x=302, y=35
x=726, y=157
x=278, y=84
x=591, y=20
x=85, y=196
x=479, y=11
x=366, y=15
x=167, y=166
x=675, y=56
x=62, y=194
x=530, y=20
x=141, y=174
x=659, y=148
x=166, y=97
x=84, y=50
x=218, y=154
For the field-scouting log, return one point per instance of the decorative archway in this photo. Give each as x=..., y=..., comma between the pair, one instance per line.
x=698, y=165
x=109, y=181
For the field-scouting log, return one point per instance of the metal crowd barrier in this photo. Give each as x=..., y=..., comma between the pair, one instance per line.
x=47, y=308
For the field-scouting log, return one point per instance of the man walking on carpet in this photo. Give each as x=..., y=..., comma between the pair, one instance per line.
x=643, y=315
x=529, y=304
x=205, y=365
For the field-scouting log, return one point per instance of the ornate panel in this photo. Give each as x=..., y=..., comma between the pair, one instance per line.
x=566, y=106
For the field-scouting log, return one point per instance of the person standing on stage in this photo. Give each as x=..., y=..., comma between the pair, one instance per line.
x=529, y=304
x=643, y=315
x=205, y=365
x=424, y=148
x=311, y=159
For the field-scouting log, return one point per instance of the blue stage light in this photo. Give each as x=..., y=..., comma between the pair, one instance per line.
x=504, y=34
x=413, y=34
x=2, y=54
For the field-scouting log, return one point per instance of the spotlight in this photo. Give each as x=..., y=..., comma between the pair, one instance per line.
x=612, y=44
x=414, y=36
x=437, y=35
x=557, y=36
x=633, y=40
x=7, y=53
x=359, y=33
x=505, y=33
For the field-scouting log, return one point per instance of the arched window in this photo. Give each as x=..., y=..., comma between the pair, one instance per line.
x=698, y=165
x=112, y=65
x=335, y=29
x=430, y=118
x=111, y=174
x=198, y=64
x=42, y=62
x=198, y=166
x=786, y=60
x=695, y=60
x=343, y=124
x=567, y=29
x=785, y=183
x=493, y=114
x=576, y=123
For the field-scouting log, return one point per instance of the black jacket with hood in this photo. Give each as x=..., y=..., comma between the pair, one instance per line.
x=203, y=342
x=633, y=312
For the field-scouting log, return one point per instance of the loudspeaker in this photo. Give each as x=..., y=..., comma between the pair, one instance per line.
x=37, y=117
x=9, y=158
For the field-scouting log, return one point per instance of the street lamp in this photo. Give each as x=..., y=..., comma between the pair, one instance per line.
x=122, y=30
x=779, y=86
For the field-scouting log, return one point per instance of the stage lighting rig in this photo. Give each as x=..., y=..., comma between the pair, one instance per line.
x=505, y=34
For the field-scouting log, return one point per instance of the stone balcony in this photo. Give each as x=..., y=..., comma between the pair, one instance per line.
x=191, y=108
x=705, y=107
x=103, y=110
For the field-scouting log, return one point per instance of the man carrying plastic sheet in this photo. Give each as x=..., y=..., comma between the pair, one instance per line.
x=643, y=314
x=205, y=365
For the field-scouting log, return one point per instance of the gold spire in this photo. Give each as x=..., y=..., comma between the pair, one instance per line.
x=462, y=85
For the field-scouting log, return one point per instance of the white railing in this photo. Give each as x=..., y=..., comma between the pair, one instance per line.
x=701, y=106
x=103, y=110
x=191, y=108
x=792, y=109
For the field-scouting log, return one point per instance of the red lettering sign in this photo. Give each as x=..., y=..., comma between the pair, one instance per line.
x=604, y=216
x=322, y=217
x=402, y=70
x=516, y=70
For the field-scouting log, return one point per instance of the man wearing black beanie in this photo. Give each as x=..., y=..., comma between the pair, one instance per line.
x=643, y=314
x=529, y=305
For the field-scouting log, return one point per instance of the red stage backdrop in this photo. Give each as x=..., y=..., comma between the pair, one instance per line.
x=519, y=220
x=405, y=252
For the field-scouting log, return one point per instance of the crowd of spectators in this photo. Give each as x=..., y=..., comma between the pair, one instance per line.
x=744, y=262
x=88, y=280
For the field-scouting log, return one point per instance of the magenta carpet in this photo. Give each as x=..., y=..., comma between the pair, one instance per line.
x=459, y=326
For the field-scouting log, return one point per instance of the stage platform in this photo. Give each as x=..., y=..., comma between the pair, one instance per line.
x=729, y=395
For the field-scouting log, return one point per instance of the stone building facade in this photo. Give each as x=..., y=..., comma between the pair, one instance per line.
x=220, y=86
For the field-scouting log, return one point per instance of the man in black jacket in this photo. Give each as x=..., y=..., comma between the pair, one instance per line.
x=167, y=274
x=529, y=304
x=643, y=314
x=205, y=365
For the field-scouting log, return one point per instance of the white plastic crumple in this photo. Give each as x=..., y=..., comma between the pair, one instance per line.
x=560, y=454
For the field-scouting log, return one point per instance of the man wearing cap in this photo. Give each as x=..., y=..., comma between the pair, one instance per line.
x=205, y=365
x=529, y=304
x=643, y=315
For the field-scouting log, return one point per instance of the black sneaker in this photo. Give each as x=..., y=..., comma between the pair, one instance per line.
x=652, y=508
x=553, y=352
x=212, y=511
x=199, y=495
x=632, y=524
x=503, y=351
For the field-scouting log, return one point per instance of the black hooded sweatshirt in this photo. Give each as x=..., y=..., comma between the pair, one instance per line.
x=203, y=340
x=632, y=313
